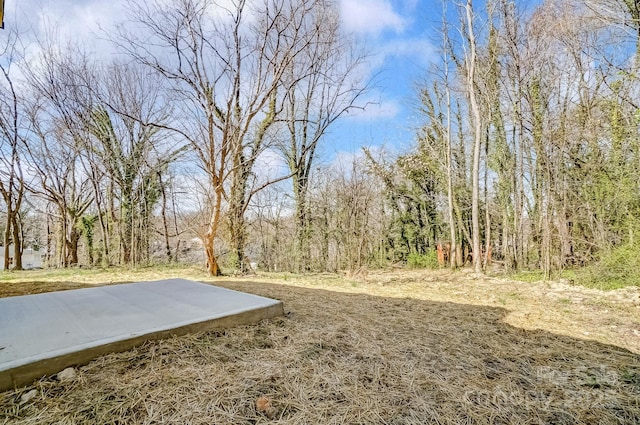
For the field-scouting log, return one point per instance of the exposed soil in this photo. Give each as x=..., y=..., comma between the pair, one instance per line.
x=394, y=347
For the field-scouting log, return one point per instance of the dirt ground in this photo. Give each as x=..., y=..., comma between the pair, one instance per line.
x=390, y=347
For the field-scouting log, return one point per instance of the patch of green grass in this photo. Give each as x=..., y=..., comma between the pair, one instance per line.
x=593, y=382
x=631, y=377
x=423, y=261
x=568, y=274
x=618, y=268
x=538, y=275
x=608, y=281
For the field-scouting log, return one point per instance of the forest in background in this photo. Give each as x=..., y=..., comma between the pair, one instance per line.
x=527, y=155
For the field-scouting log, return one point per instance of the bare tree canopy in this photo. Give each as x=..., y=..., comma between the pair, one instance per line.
x=230, y=69
x=199, y=134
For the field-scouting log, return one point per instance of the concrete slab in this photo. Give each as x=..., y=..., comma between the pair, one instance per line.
x=44, y=333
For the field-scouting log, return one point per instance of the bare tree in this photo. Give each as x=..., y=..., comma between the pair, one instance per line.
x=133, y=153
x=453, y=258
x=622, y=13
x=470, y=69
x=225, y=65
x=54, y=157
x=321, y=84
x=12, y=183
x=57, y=143
x=345, y=204
x=188, y=44
x=272, y=229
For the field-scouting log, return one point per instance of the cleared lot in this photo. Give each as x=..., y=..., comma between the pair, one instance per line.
x=394, y=347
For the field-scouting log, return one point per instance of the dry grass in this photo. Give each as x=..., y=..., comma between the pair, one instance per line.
x=391, y=348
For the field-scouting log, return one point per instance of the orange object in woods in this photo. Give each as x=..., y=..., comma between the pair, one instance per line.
x=440, y=255
x=444, y=254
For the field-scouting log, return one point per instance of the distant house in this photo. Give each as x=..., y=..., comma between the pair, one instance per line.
x=31, y=259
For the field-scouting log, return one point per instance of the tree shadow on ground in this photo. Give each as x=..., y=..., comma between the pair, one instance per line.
x=350, y=359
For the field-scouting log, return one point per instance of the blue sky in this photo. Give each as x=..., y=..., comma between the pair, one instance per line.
x=398, y=36
x=395, y=33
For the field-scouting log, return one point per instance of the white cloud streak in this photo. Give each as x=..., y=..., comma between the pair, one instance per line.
x=370, y=17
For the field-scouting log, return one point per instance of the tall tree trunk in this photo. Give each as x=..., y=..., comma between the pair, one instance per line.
x=62, y=242
x=103, y=215
x=212, y=262
x=175, y=226
x=49, y=238
x=477, y=140
x=519, y=216
x=125, y=225
x=18, y=240
x=450, y=201
x=302, y=244
x=163, y=212
x=209, y=238
x=102, y=218
x=487, y=215
x=13, y=189
x=72, y=246
x=237, y=223
x=7, y=241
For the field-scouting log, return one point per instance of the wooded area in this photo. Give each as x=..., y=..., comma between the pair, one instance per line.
x=528, y=154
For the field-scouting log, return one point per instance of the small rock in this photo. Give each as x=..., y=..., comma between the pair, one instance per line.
x=28, y=396
x=264, y=406
x=69, y=374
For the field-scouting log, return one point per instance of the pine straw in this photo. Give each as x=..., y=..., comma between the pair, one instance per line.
x=345, y=358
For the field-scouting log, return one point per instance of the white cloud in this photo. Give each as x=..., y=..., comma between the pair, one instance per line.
x=65, y=20
x=85, y=21
x=419, y=50
x=370, y=17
